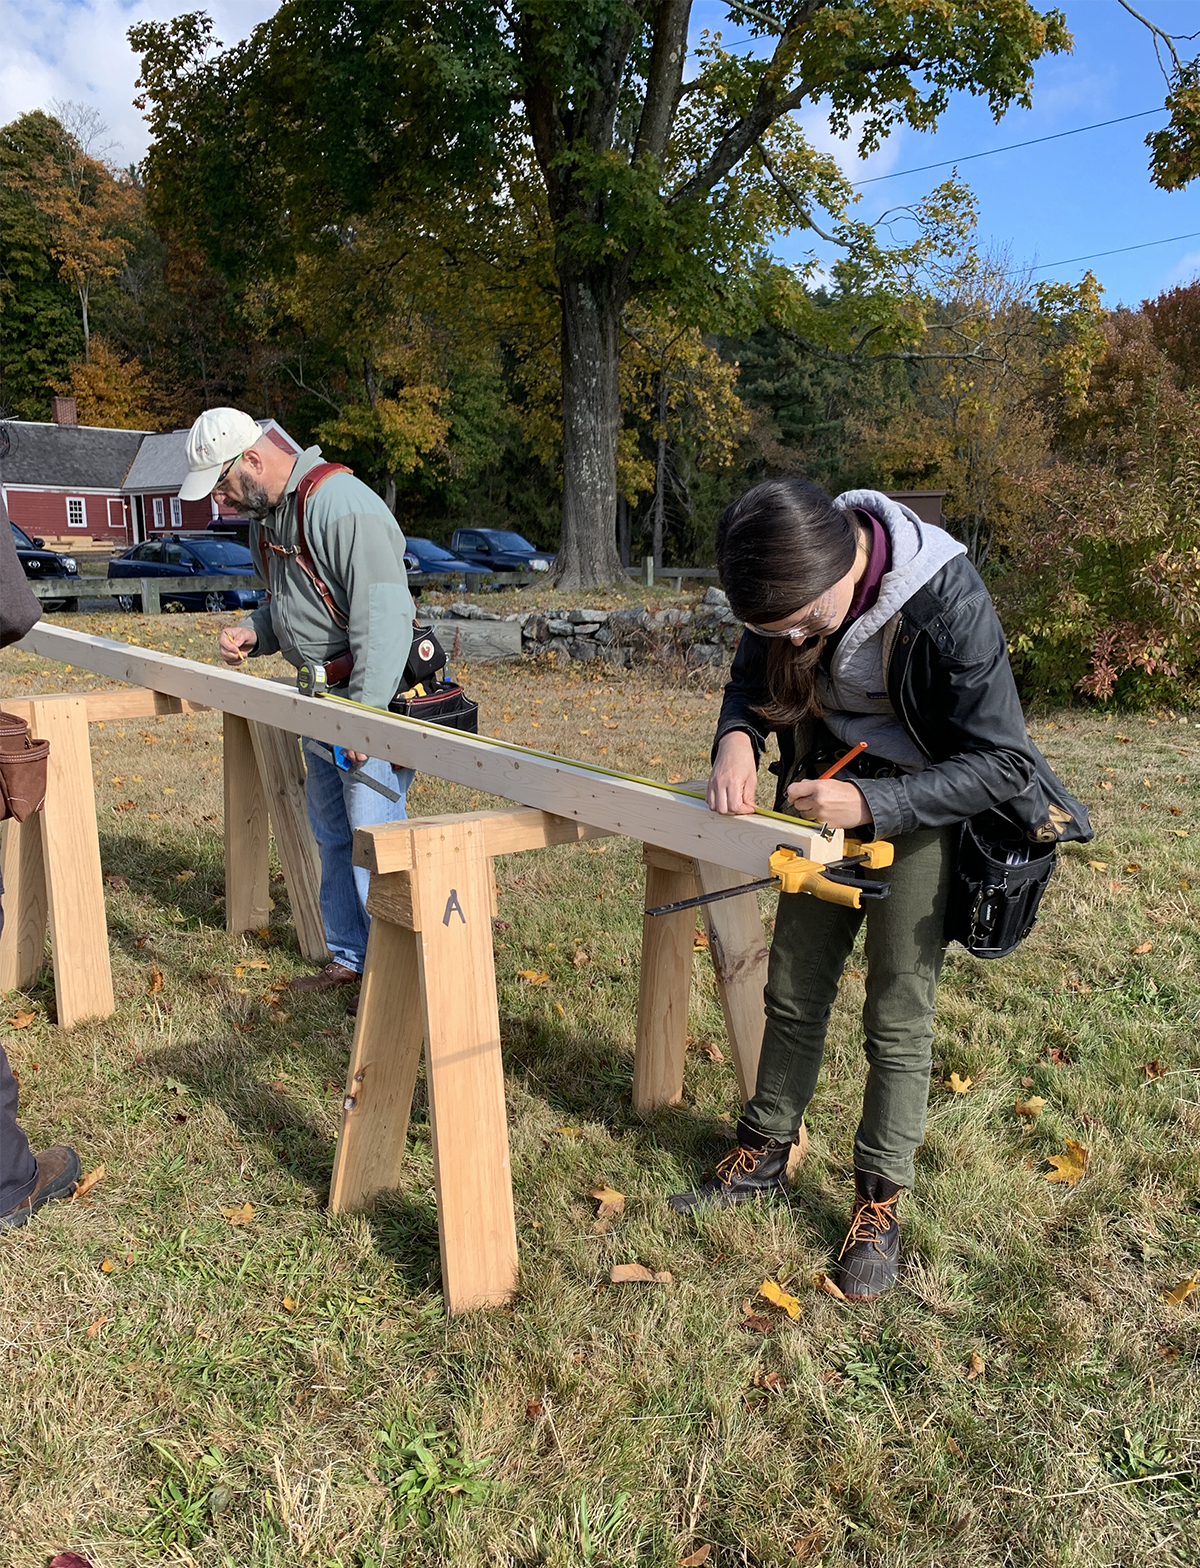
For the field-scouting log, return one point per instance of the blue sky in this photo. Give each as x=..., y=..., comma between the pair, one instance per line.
x=1064, y=199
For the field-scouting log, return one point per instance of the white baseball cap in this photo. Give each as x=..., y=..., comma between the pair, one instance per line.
x=218, y=436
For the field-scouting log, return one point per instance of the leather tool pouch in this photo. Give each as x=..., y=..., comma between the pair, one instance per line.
x=23, y=763
x=994, y=903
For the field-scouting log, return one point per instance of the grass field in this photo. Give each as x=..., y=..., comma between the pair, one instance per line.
x=175, y=1388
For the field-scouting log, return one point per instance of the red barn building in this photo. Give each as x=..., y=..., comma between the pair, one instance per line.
x=87, y=487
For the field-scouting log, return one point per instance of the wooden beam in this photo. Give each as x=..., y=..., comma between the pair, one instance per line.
x=389, y=846
x=738, y=949
x=23, y=940
x=103, y=706
x=466, y=1077
x=383, y=1070
x=569, y=789
x=281, y=767
x=247, y=833
x=71, y=852
x=664, y=988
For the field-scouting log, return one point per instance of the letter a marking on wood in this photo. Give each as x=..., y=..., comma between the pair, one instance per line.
x=453, y=907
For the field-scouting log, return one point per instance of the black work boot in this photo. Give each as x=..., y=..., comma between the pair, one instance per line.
x=870, y=1255
x=57, y=1174
x=756, y=1168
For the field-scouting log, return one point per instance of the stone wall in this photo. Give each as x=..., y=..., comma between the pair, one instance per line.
x=704, y=633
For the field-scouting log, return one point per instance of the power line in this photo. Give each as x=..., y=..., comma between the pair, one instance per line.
x=1012, y=147
x=1096, y=254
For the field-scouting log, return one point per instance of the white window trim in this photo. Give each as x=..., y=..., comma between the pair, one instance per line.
x=120, y=522
x=176, y=512
x=82, y=503
x=160, y=520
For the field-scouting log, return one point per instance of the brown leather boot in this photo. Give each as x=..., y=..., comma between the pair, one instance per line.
x=57, y=1173
x=325, y=979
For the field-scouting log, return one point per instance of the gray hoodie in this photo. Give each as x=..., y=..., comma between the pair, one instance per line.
x=854, y=692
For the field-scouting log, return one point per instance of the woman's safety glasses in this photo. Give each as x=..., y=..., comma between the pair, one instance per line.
x=818, y=618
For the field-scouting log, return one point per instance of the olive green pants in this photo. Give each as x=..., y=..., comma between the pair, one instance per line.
x=904, y=951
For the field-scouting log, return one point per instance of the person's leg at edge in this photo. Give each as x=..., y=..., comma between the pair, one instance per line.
x=811, y=944
x=26, y=1181
x=337, y=805
x=904, y=951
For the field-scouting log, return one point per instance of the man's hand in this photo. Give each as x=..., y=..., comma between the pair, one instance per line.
x=733, y=778
x=236, y=642
x=356, y=758
x=830, y=801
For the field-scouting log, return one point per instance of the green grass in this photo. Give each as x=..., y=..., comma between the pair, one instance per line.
x=290, y=1391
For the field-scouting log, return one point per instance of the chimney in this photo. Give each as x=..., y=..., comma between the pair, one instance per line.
x=62, y=411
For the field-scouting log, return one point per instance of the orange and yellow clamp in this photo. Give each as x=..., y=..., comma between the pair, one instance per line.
x=836, y=883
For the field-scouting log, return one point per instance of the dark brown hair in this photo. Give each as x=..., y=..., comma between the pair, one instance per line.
x=779, y=547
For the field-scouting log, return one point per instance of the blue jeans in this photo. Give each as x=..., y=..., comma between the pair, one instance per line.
x=336, y=806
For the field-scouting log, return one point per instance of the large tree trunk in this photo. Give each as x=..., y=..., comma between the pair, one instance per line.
x=660, y=473
x=587, y=553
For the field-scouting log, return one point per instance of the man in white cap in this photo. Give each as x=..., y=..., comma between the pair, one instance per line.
x=340, y=600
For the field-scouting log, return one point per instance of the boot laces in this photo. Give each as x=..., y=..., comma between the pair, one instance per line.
x=738, y=1162
x=869, y=1221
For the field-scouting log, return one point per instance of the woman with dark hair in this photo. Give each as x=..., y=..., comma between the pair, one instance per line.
x=864, y=624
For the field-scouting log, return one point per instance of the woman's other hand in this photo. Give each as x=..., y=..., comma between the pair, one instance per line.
x=830, y=801
x=732, y=782
x=236, y=642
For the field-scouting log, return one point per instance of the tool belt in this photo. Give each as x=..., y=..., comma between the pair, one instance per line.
x=423, y=692
x=997, y=885
x=23, y=764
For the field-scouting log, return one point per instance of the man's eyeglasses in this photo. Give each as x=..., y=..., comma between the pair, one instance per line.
x=226, y=471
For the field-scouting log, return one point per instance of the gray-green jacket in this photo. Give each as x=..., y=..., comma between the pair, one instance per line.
x=358, y=551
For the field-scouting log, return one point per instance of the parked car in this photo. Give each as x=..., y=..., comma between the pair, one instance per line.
x=239, y=528
x=437, y=560
x=182, y=555
x=38, y=564
x=499, y=550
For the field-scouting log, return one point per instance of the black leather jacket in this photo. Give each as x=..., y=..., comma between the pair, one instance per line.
x=950, y=684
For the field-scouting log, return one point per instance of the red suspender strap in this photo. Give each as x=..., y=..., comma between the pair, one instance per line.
x=311, y=481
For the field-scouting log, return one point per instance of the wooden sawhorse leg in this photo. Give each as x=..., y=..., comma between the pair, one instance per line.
x=430, y=974
x=23, y=940
x=739, y=955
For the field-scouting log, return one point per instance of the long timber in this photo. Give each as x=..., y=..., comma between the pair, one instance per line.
x=654, y=815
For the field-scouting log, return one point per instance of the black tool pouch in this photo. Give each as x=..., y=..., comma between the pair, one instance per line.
x=993, y=904
x=23, y=765
x=426, y=694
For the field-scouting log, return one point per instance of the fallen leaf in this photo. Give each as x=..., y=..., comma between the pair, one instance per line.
x=975, y=1367
x=1059, y=1055
x=155, y=983
x=1176, y=811
x=1069, y=1167
x=1142, y=948
x=89, y=1181
x=756, y=1323
x=1098, y=865
x=700, y=1555
x=533, y=977
x=700, y=942
x=654, y=760
x=823, y=1282
x=535, y=1409
x=1027, y=1083
x=1177, y=1296
x=116, y=881
x=712, y=1050
x=1153, y=1070
x=1033, y=1106
x=126, y=805
x=562, y=1012
x=807, y=1545
x=185, y=876
x=257, y=963
x=674, y=778
x=107, y=1266
x=1169, y=1352
x=70, y=1560
x=954, y=1448
x=610, y=1200
x=289, y=1303
x=1104, y=784
x=94, y=1328
x=21, y=1020
x=1133, y=866
x=958, y=1085
x=569, y=1132
x=771, y=1381
x=141, y=939
x=1181, y=833
x=638, y=1274
x=581, y=959
x=240, y=1216
x=778, y=1297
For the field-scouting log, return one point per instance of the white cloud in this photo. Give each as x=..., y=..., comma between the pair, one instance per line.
x=78, y=50
x=1185, y=270
x=815, y=124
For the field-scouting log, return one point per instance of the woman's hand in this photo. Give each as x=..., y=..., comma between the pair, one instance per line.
x=830, y=801
x=732, y=781
x=236, y=642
